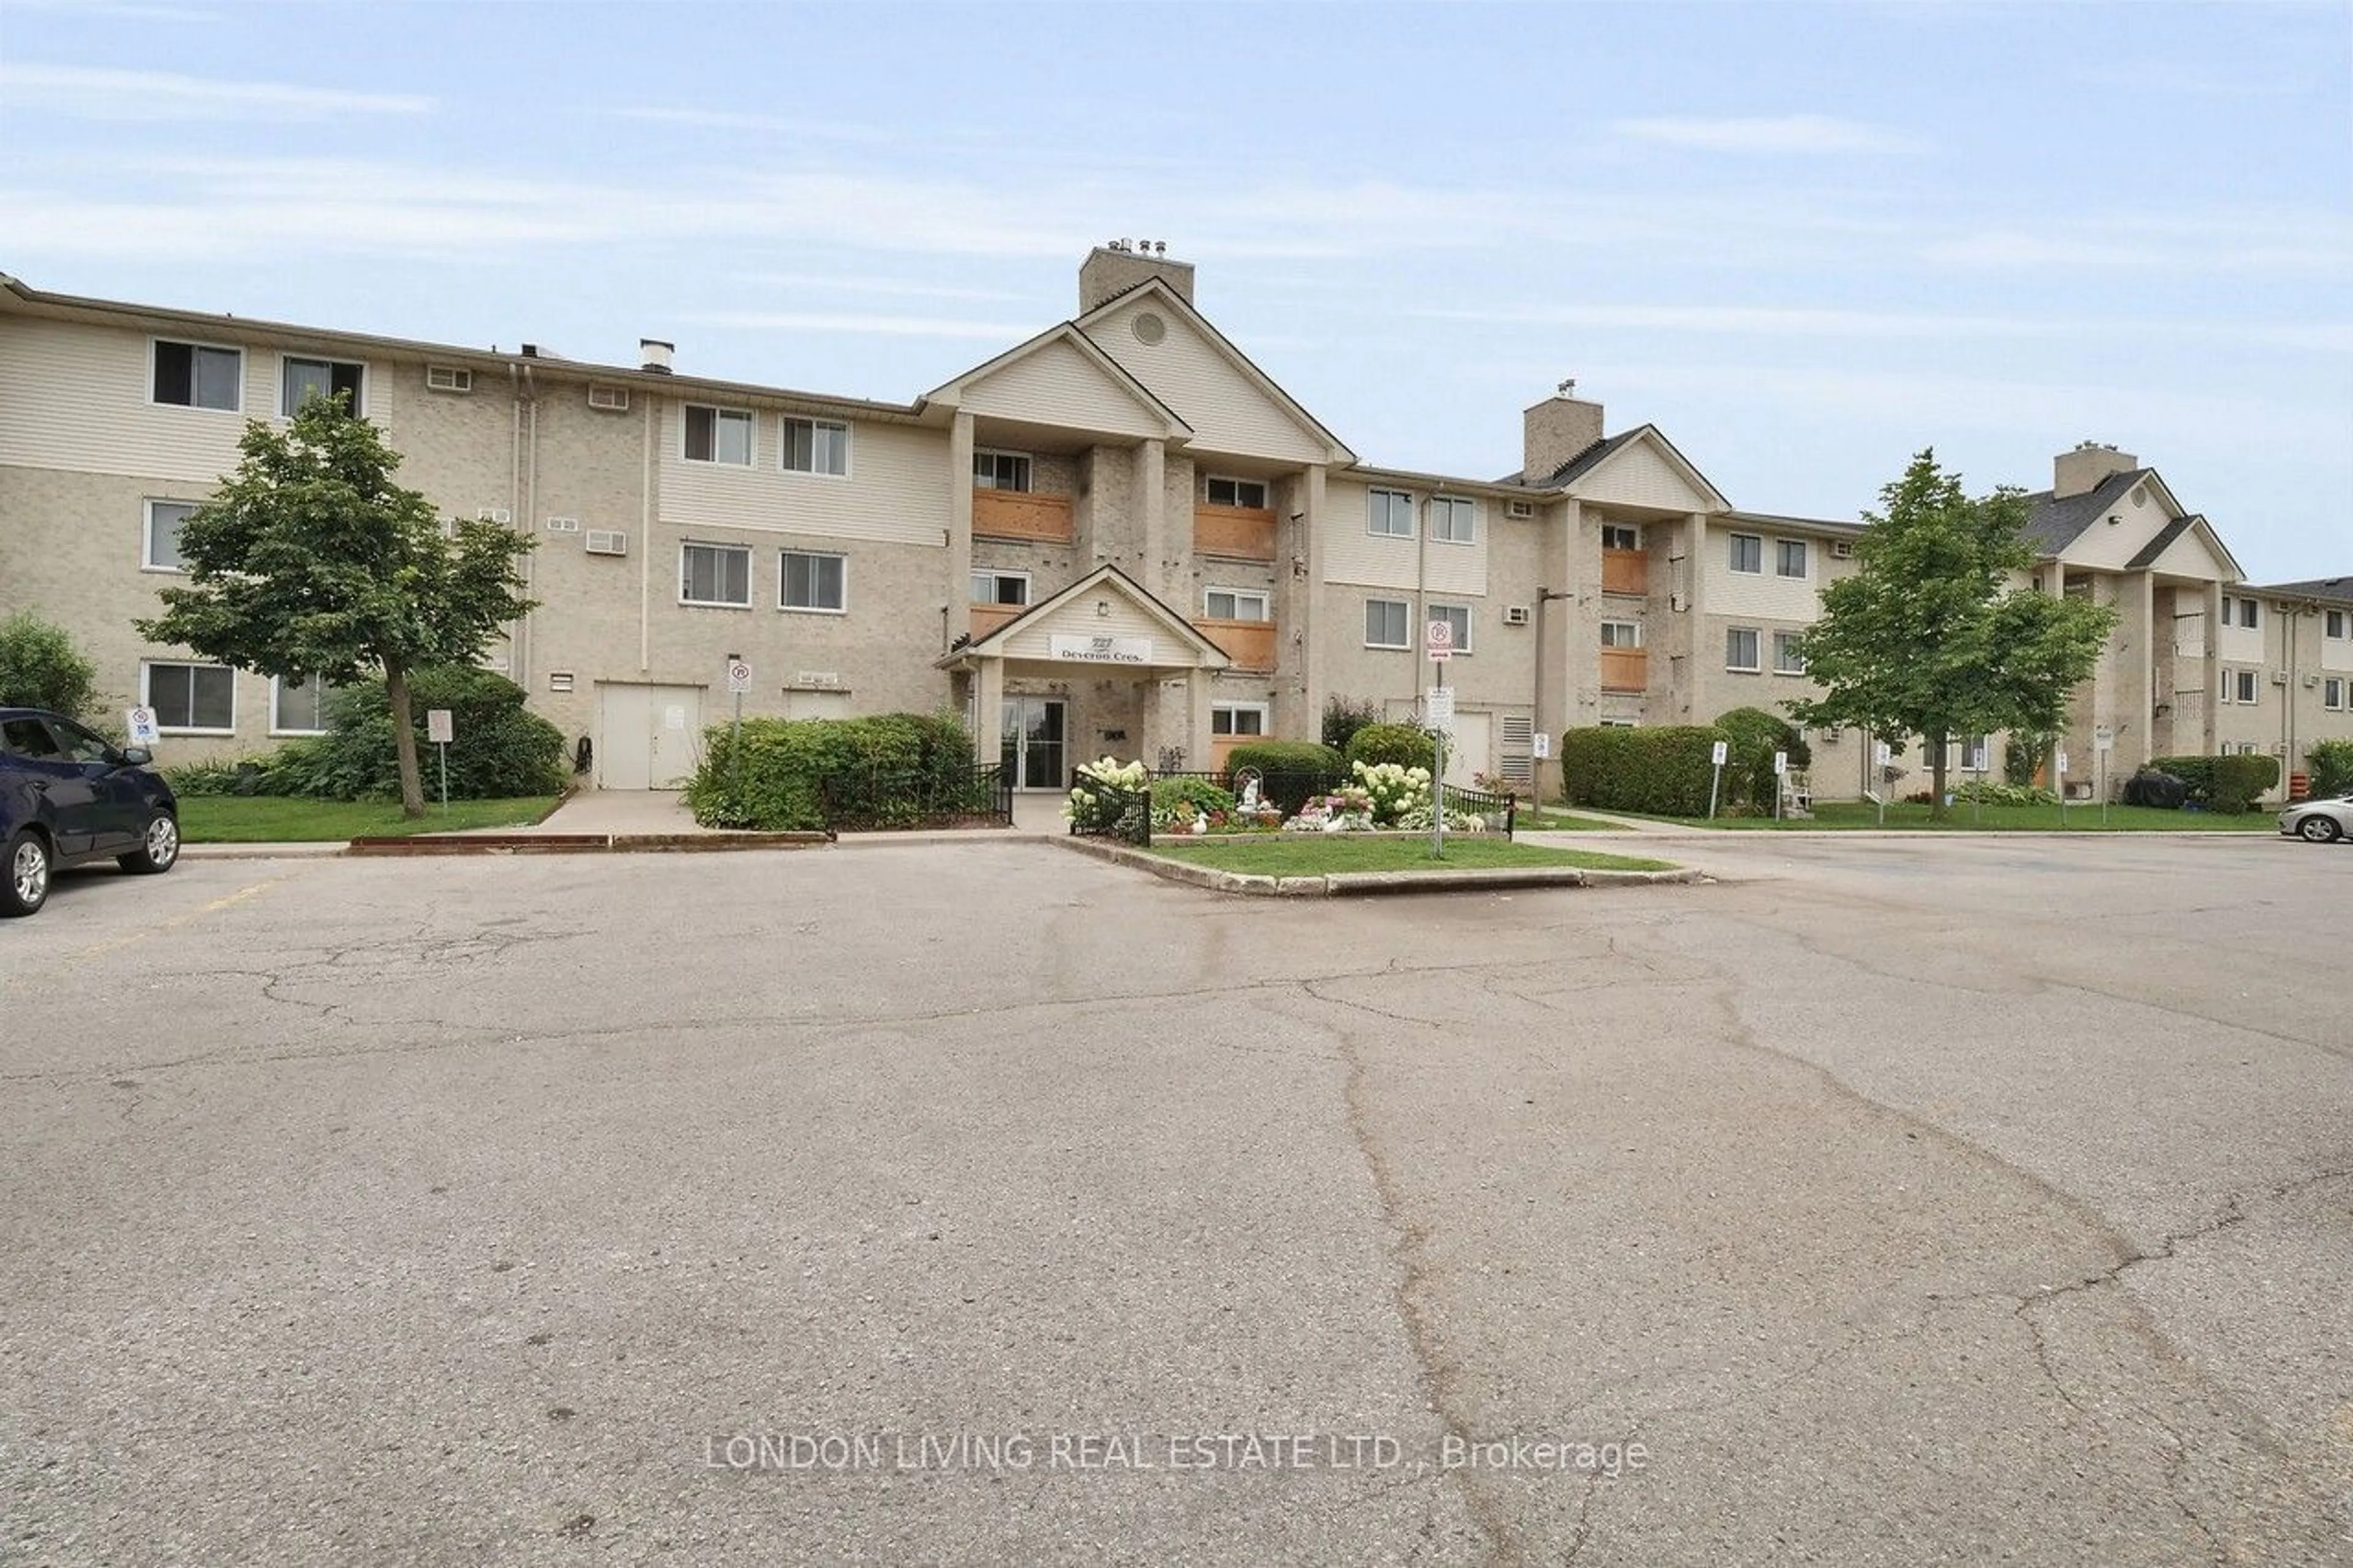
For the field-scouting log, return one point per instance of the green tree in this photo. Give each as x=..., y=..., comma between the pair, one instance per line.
x=1935, y=637
x=41, y=667
x=309, y=562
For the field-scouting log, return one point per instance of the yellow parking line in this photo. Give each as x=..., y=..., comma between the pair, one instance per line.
x=115, y=944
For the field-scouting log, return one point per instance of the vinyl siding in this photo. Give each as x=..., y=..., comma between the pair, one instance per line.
x=74, y=398
x=1638, y=476
x=1352, y=553
x=896, y=492
x=1079, y=619
x=1767, y=595
x=1057, y=385
x=2111, y=544
x=1228, y=412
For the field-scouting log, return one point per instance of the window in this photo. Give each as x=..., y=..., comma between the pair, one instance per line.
x=298, y=378
x=1453, y=519
x=816, y=447
x=190, y=696
x=1390, y=513
x=1977, y=753
x=299, y=707
x=1748, y=553
x=2249, y=614
x=1930, y=752
x=1620, y=536
x=1787, y=657
x=812, y=582
x=1000, y=587
x=1235, y=605
x=1237, y=492
x=1001, y=472
x=1621, y=634
x=162, y=548
x=715, y=574
x=1740, y=648
x=2240, y=686
x=196, y=376
x=2332, y=692
x=719, y=436
x=1237, y=718
x=1385, y=623
x=1790, y=557
x=2333, y=623
x=1458, y=618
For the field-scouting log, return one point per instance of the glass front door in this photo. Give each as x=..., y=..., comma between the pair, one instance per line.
x=1030, y=743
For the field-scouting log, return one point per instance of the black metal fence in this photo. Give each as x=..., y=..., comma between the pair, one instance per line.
x=894, y=801
x=1100, y=809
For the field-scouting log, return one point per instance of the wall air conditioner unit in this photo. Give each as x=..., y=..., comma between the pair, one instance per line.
x=607, y=542
x=2310, y=681
x=1515, y=615
x=2279, y=677
x=449, y=378
x=1842, y=549
x=497, y=514
x=611, y=399
x=1519, y=509
x=563, y=525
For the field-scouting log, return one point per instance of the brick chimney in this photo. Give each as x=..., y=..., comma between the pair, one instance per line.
x=1557, y=430
x=2079, y=472
x=1114, y=267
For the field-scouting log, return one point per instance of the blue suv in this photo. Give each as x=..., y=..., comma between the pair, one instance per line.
x=68, y=796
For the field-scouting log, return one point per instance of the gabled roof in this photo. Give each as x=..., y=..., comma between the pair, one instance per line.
x=2325, y=590
x=1337, y=451
x=952, y=392
x=1105, y=575
x=1593, y=458
x=2055, y=523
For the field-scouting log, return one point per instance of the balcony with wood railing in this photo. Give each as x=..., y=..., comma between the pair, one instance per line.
x=1625, y=670
x=1021, y=514
x=1250, y=644
x=1625, y=572
x=1241, y=533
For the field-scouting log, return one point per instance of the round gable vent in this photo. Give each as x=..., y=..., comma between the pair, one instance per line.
x=1149, y=328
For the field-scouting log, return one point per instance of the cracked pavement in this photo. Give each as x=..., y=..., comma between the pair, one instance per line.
x=1906, y=1202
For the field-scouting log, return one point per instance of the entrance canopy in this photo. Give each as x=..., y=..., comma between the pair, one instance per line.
x=1105, y=624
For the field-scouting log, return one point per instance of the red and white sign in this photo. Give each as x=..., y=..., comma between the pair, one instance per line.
x=1440, y=638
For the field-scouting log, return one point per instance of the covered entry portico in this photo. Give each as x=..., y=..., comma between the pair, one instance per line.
x=1102, y=669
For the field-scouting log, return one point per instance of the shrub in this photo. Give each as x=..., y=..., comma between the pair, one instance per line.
x=1664, y=770
x=502, y=749
x=1290, y=772
x=1183, y=799
x=2022, y=755
x=246, y=776
x=801, y=776
x=1344, y=716
x=2225, y=784
x=1400, y=744
x=2331, y=765
x=41, y=667
x=1752, y=736
x=1994, y=792
x=1393, y=791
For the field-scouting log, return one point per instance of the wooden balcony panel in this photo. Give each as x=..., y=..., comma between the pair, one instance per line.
x=1625, y=670
x=1625, y=572
x=1021, y=514
x=1250, y=644
x=986, y=618
x=1244, y=532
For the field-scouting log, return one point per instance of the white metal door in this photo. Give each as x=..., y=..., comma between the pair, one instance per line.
x=648, y=737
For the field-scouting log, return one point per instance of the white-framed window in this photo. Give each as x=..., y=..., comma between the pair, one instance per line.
x=1748, y=552
x=1221, y=491
x=1236, y=605
x=1621, y=634
x=1611, y=721
x=2251, y=613
x=1977, y=753
x=1458, y=618
x=160, y=549
x=816, y=446
x=718, y=436
x=2332, y=692
x=1790, y=557
x=809, y=580
x=715, y=574
x=1453, y=519
x=299, y=707
x=1387, y=623
x=2332, y=624
x=1001, y=470
x=196, y=376
x=198, y=699
x=2242, y=686
x=1000, y=587
x=300, y=375
x=1236, y=719
x=1740, y=648
x=1620, y=536
x=1787, y=657
x=1389, y=513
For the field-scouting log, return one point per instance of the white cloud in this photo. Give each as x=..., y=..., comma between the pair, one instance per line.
x=124, y=95
x=2239, y=242
x=1763, y=133
x=732, y=119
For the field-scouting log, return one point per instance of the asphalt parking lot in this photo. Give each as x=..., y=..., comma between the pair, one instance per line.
x=1910, y=1202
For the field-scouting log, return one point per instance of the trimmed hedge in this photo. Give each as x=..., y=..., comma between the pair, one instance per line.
x=801, y=776
x=2228, y=786
x=41, y=667
x=501, y=751
x=1290, y=770
x=1400, y=744
x=1752, y=736
x=1665, y=771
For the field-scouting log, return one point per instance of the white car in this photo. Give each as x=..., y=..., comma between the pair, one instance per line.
x=2319, y=821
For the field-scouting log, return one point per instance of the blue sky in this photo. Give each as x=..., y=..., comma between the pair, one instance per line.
x=1804, y=241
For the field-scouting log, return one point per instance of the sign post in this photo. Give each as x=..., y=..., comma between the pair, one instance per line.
x=739, y=681
x=1880, y=754
x=1438, y=710
x=1780, y=772
x=2059, y=778
x=1976, y=797
x=1716, y=777
x=2104, y=740
x=141, y=726
x=441, y=729
x=1539, y=753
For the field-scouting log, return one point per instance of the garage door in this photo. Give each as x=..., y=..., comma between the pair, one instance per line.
x=648, y=737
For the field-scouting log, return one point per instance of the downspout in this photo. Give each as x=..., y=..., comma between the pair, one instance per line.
x=646, y=549
x=515, y=635
x=521, y=673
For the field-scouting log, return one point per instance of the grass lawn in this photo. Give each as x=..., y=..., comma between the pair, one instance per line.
x=1965, y=818
x=1321, y=853
x=279, y=819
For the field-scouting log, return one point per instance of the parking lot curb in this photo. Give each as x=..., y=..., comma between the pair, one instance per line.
x=1366, y=884
x=581, y=843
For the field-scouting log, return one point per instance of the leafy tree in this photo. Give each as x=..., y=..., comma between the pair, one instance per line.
x=41, y=667
x=309, y=562
x=1933, y=637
